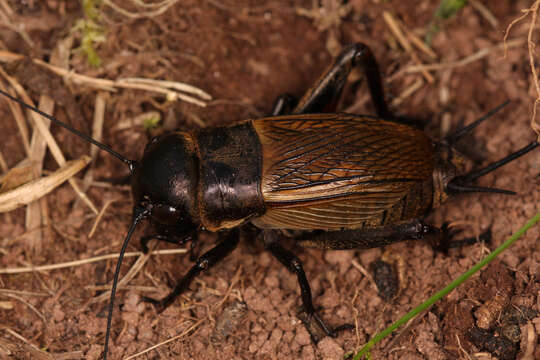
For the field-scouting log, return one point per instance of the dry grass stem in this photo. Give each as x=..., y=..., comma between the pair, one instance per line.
x=462, y=350
x=135, y=268
x=168, y=88
x=421, y=45
x=156, y=9
x=6, y=17
x=3, y=163
x=111, y=85
x=100, y=216
x=32, y=350
x=17, y=176
x=398, y=33
x=363, y=271
x=97, y=134
x=195, y=119
x=21, y=292
x=86, y=261
x=190, y=89
x=190, y=329
x=19, y=120
x=39, y=122
x=99, y=120
x=485, y=12
x=232, y=284
x=18, y=298
x=466, y=60
x=33, y=190
x=408, y=92
x=37, y=211
x=125, y=287
x=8, y=56
x=5, y=8
x=17, y=335
x=69, y=355
x=531, y=341
x=6, y=305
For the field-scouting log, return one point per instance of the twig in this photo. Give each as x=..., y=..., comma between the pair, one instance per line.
x=363, y=271
x=39, y=122
x=170, y=85
x=6, y=15
x=133, y=270
x=3, y=163
x=37, y=211
x=100, y=216
x=19, y=119
x=13, y=296
x=485, y=12
x=99, y=120
x=398, y=33
x=25, y=194
x=33, y=347
x=125, y=287
x=465, y=61
x=408, y=91
x=462, y=349
x=21, y=292
x=86, y=261
x=156, y=8
x=190, y=329
x=421, y=45
x=158, y=86
x=97, y=134
x=531, y=342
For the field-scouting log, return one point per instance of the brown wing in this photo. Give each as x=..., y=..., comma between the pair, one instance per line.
x=334, y=171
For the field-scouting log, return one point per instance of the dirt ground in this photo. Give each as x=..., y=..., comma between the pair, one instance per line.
x=245, y=53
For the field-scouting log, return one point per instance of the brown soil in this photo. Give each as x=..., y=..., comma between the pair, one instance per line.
x=245, y=53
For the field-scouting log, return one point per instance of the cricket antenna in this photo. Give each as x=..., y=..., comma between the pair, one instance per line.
x=138, y=215
x=130, y=163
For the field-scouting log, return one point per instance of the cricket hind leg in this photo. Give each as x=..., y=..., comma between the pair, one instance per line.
x=441, y=239
x=313, y=323
x=204, y=262
x=324, y=95
x=368, y=238
x=284, y=104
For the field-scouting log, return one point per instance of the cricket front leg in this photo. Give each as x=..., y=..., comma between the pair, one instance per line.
x=205, y=262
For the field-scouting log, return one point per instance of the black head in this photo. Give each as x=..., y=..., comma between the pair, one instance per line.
x=165, y=181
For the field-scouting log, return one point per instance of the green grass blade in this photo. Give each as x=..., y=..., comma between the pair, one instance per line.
x=426, y=304
x=449, y=8
x=446, y=10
